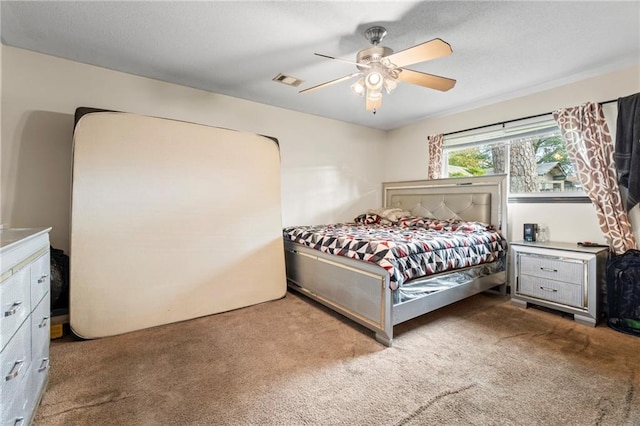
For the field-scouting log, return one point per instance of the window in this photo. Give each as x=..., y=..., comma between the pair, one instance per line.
x=532, y=154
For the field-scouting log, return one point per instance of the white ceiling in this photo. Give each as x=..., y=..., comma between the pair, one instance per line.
x=501, y=49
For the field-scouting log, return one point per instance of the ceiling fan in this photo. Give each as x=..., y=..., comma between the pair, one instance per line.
x=380, y=68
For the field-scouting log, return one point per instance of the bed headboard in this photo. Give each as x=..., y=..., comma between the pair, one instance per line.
x=482, y=198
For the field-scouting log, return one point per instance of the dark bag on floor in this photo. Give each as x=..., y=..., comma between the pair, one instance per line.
x=59, y=279
x=623, y=292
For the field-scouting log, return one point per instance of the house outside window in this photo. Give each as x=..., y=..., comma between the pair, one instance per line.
x=532, y=154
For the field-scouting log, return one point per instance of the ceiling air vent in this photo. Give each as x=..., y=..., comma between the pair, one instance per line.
x=288, y=80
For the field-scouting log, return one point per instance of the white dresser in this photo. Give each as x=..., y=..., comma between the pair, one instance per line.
x=561, y=276
x=24, y=322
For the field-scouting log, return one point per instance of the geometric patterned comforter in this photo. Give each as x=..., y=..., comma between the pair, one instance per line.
x=408, y=248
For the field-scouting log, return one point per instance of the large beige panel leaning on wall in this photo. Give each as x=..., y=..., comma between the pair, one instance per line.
x=170, y=221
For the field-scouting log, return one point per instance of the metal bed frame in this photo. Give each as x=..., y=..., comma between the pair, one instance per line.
x=360, y=290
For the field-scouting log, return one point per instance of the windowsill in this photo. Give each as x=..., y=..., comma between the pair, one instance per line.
x=549, y=198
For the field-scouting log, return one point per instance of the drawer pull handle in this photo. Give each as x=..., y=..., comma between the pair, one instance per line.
x=19, y=421
x=14, y=309
x=42, y=278
x=553, y=290
x=542, y=268
x=44, y=365
x=15, y=370
x=43, y=323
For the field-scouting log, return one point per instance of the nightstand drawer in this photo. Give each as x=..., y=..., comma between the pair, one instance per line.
x=551, y=290
x=567, y=270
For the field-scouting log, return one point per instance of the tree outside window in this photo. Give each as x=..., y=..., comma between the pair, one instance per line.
x=535, y=164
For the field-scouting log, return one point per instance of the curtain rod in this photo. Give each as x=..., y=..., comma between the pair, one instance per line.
x=514, y=120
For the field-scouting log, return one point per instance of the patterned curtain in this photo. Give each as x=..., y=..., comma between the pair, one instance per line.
x=588, y=141
x=435, y=156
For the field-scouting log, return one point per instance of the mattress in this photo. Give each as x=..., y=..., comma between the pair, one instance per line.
x=159, y=220
x=408, y=249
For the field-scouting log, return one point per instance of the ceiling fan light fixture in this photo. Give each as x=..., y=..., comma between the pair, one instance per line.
x=358, y=87
x=374, y=95
x=390, y=85
x=374, y=80
x=373, y=100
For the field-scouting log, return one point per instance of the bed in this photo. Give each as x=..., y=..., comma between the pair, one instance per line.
x=339, y=267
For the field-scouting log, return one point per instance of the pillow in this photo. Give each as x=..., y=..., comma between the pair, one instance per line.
x=450, y=225
x=366, y=219
x=392, y=214
x=460, y=225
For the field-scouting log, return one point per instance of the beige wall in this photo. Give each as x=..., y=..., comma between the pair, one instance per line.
x=566, y=222
x=331, y=171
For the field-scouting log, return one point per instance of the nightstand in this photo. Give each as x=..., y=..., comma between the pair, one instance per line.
x=561, y=276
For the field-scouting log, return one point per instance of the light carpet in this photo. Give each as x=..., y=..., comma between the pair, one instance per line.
x=481, y=361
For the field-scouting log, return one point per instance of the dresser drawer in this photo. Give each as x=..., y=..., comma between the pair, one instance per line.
x=40, y=280
x=567, y=270
x=14, y=304
x=15, y=414
x=551, y=290
x=15, y=361
x=40, y=327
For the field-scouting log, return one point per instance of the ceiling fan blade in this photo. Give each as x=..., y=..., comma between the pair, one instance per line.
x=426, y=51
x=343, y=60
x=329, y=83
x=427, y=80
